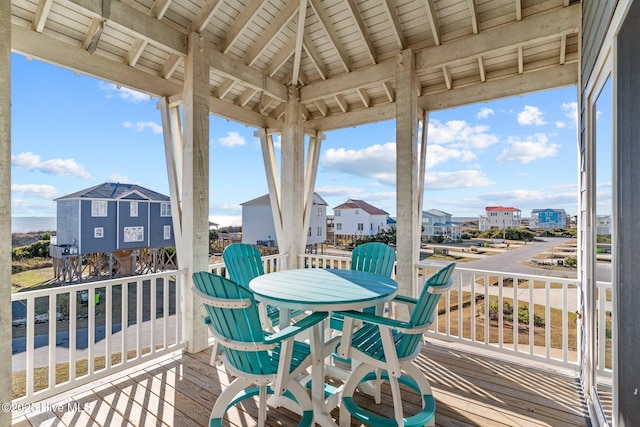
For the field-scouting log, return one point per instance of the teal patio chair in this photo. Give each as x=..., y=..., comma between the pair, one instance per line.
x=262, y=364
x=244, y=263
x=372, y=257
x=383, y=349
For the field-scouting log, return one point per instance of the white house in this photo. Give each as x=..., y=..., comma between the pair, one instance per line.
x=501, y=217
x=438, y=223
x=258, y=227
x=359, y=219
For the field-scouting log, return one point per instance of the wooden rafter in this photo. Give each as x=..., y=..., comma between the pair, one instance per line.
x=364, y=97
x=281, y=58
x=297, y=53
x=474, y=16
x=388, y=89
x=342, y=103
x=208, y=9
x=432, y=16
x=135, y=51
x=170, y=65
x=563, y=49
x=224, y=88
x=362, y=30
x=520, y=60
x=160, y=8
x=447, y=77
x=274, y=28
x=322, y=107
x=314, y=56
x=518, y=10
x=94, y=27
x=390, y=8
x=324, y=21
x=241, y=22
x=42, y=12
x=483, y=73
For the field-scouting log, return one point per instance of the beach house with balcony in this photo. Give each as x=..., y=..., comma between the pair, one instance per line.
x=500, y=217
x=355, y=219
x=544, y=219
x=438, y=223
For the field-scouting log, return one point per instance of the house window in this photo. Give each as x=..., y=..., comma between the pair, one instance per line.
x=98, y=233
x=319, y=212
x=165, y=209
x=360, y=226
x=319, y=231
x=309, y=233
x=98, y=208
x=133, y=209
x=357, y=211
x=338, y=226
x=133, y=234
x=167, y=232
x=337, y=212
x=371, y=227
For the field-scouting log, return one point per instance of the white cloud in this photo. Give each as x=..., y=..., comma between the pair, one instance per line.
x=232, y=139
x=571, y=111
x=42, y=191
x=485, y=113
x=438, y=154
x=116, y=177
x=460, y=134
x=341, y=191
x=535, y=147
x=531, y=199
x=142, y=126
x=531, y=116
x=456, y=179
x=560, y=124
x=59, y=167
x=376, y=161
x=128, y=95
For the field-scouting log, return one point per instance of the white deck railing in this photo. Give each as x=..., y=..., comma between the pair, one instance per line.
x=270, y=263
x=99, y=328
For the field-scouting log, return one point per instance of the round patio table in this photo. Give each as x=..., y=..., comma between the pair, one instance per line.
x=319, y=289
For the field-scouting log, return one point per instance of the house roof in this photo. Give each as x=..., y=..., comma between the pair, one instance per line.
x=500, y=209
x=265, y=201
x=547, y=210
x=341, y=53
x=114, y=191
x=435, y=212
x=361, y=204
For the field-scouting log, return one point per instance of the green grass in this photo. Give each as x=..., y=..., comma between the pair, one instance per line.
x=30, y=278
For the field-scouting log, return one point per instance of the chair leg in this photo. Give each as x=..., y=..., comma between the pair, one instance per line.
x=397, y=400
x=227, y=395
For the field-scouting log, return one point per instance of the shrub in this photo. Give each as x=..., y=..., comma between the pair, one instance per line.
x=507, y=313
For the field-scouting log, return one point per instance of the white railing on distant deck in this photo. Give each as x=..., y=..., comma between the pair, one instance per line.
x=110, y=325
x=604, y=311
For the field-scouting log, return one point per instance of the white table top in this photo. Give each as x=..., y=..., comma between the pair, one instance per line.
x=319, y=289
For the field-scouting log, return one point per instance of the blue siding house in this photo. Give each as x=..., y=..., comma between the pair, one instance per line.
x=113, y=217
x=548, y=219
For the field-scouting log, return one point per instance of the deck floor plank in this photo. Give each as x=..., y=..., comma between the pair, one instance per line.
x=471, y=389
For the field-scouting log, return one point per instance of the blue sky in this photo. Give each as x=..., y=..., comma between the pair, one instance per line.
x=71, y=132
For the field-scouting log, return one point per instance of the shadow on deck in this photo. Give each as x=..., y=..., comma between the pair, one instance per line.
x=471, y=389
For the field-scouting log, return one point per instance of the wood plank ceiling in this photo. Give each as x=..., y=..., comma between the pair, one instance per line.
x=340, y=52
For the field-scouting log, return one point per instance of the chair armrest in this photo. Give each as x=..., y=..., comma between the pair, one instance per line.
x=405, y=299
x=296, y=328
x=399, y=325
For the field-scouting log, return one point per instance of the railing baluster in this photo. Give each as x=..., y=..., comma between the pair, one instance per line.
x=108, y=326
x=53, y=321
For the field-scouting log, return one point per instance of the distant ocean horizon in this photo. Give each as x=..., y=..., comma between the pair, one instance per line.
x=29, y=224
x=464, y=218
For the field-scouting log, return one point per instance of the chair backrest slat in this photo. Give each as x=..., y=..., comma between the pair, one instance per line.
x=237, y=324
x=374, y=257
x=243, y=263
x=425, y=307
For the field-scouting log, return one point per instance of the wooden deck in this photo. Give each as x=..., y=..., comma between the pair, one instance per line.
x=470, y=389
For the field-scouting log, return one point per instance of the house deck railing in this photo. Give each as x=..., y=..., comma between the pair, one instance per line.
x=67, y=336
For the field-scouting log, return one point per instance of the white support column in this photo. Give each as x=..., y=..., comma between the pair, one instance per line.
x=292, y=169
x=422, y=170
x=311, y=171
x=195, y=185
x=273, y=179
x=406, y=172
x=5, y=208
x=170, y=152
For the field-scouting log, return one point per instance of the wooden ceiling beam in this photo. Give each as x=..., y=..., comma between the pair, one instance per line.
x=297, y=52
x=483, y=73
x=348, y=82
x=275, y=27
x=530, y=81
x=281, y=58
x=392, y=13
x=159, y=8
x=326, y=24
x=362, y=30
x=170, y=65
x=246, y=15
x=202, y=19
x=42, y=12
x=432, y=17
x=314, y=56
x=537, y=28
x=563, y=49
x=136, y=23
x=474, y=16
x=93, y=29
x=224, y=88
x=518, y=10
x=135, y=51
x=364, y=97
